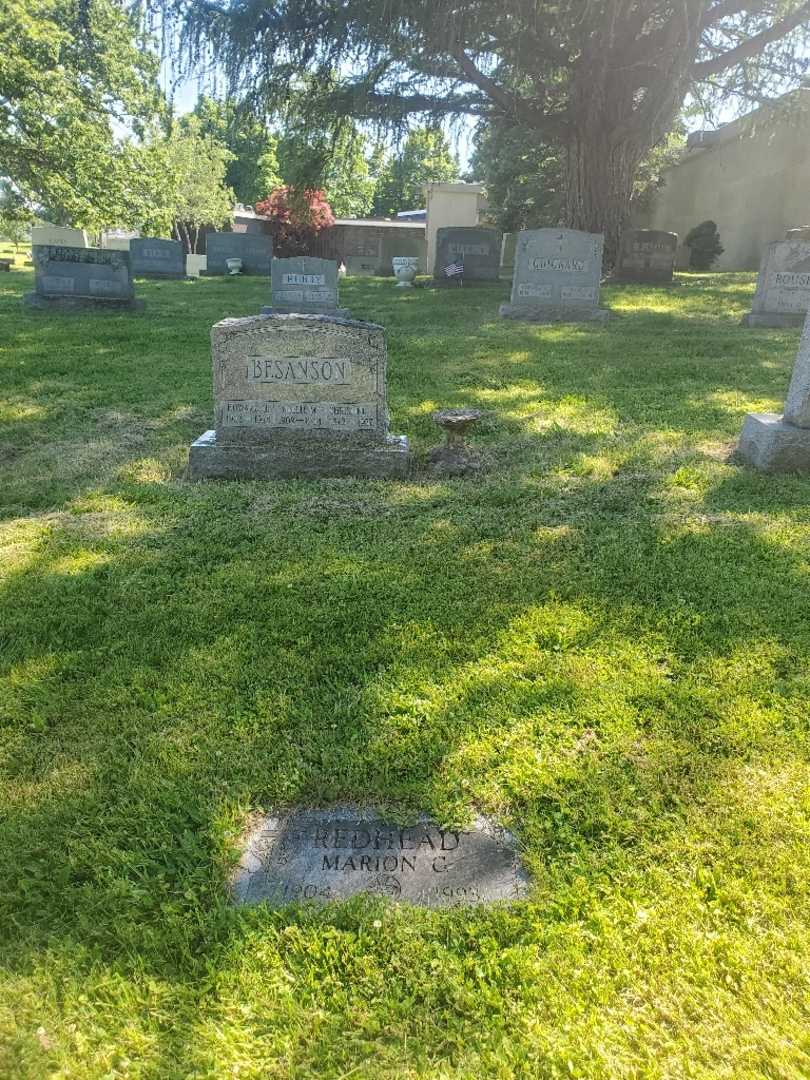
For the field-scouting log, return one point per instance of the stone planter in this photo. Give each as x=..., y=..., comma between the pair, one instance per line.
x=234, y=266
x=405, y=270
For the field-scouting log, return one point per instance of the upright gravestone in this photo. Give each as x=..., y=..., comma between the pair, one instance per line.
x=305, y=286
x=73, y=278
x=156, y=258
x=776, y=443
x=783, y=286
x=254, y=249
x=477, y=250
x=323, y=856
x=556, y=278
x=298, y=395
x=646, y=256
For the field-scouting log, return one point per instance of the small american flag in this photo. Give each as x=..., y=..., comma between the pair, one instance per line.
x=455, y=269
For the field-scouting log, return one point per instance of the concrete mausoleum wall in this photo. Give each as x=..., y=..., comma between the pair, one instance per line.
x=752, y=177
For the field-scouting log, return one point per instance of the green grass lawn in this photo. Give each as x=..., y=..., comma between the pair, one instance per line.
x=604, y=642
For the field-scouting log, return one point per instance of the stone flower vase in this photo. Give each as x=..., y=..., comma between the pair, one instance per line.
x=405, y=269
x=234, y=266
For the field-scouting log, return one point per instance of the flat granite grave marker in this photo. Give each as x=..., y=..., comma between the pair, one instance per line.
x=783, y=285
x=774, y=443
x=305, y=286
x=557, y=276
x=646, y=256
x=330, y=855
x=478, y=249
x=298, y=395
x=254, y=249
x=157, y=258
x=73, y=278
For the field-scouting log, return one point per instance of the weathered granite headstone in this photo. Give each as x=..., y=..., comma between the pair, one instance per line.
x=57, y=236
x=557, y=276
x=776, y=443
x=478, y=249
x=75, y=278
x=254, y=249
x=157, y=258
x=299, y=395
x=361, y=265
x=783, y=286
x=330, y=855
x=306, y=286
x=646, y=256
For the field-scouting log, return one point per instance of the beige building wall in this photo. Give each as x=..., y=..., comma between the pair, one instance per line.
x=451, y=204
x=754, y=181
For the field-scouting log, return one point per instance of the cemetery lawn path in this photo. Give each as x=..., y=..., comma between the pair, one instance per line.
x=604, y=642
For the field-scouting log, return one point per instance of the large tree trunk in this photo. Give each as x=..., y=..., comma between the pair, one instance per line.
x=599, y=187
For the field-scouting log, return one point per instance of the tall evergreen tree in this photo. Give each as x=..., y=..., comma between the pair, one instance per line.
x=602, y=80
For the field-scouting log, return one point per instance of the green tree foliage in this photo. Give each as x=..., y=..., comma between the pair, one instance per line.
x=525, y=176
x=252, y=170
x=16, y=218
x=195, y=190
x=603, y=81
x=337, y=162
x=70, y=71
x=425, y=157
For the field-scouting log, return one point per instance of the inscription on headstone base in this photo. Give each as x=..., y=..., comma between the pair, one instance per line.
x=322, y=856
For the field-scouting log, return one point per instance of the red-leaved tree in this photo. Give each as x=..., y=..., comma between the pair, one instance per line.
x=296, y=218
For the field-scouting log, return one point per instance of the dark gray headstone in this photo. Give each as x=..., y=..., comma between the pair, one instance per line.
x=776, y=443
x=82, y=278
x=328, y=855
x=304, y=285
x=157, y=258
x=478, y=249
x=557, y=276
x=782, y=297
x=299, y=395
x=646, y=256
x=254, y=249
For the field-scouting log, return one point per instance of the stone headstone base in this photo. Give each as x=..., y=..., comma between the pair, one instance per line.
x=773, y=319
x=772, y=445
x=526, y=313
x=469, y=283
x=80, y=303
x=153, y=275
x=210, y=459
x=454, y=461
x=333, y=313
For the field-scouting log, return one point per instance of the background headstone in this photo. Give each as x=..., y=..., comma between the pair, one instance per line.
x=646, y=256
x=322, y=856
x=157, y=258
x=802, y=232
x=304, y=285
x=479, y=249
x=82, y=278
x=254, y=249
x=195, y=264
x=361, y=265
x=776, y=443
x=57, y=235
x=299, y=395
x=557, y=276
x=783, y=285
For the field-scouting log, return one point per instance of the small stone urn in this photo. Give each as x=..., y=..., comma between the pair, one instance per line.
x=405, y=270
x=234, y=266
x=455, y=458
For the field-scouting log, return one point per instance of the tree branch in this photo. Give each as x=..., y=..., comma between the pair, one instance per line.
x=753, y=45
